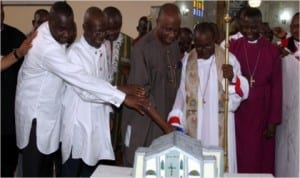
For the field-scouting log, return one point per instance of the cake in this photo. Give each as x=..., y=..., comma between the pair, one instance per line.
x=177, y=155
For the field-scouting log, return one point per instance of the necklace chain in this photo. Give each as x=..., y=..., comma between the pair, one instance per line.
x=172, y=69
x=206, y=84
x=251, y=80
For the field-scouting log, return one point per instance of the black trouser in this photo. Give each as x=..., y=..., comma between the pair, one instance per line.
x=76, y=168
x=35, y=163
x=9, y=155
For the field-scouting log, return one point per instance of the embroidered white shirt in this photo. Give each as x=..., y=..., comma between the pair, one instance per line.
x=85, y=125
x=40, y=89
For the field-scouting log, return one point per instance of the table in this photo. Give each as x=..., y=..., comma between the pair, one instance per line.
x=105, y=171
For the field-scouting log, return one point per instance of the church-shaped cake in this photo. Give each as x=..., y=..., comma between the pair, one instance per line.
x=177, y=155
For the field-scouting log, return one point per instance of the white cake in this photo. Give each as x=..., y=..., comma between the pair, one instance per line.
x=177, y=155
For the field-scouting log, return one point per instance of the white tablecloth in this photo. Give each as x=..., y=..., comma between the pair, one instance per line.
x=105, y=171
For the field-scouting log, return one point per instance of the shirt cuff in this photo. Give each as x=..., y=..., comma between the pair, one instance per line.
x=118, y=97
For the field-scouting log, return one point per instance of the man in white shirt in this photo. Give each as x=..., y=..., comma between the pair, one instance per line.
x=198, y=109
x=40, y=90
x=85, y=133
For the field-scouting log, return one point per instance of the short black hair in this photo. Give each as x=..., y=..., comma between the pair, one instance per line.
x=205, y=27
x=253, y=13
x=41, y=11
x=61, y=7
x=112, y=12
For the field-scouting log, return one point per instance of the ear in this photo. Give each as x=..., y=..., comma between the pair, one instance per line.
x=84, y=26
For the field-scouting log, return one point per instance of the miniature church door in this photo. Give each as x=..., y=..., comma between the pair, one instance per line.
x=172, y=164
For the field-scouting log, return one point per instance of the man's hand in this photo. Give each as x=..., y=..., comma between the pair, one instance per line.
x=136, y=103
x=26, y=45
x=270, y=131
x=169, y=128
x=136, y=90
x=227, y=72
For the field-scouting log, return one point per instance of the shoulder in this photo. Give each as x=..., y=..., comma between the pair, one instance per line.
x=13, y=34
x=271, y=48
x=75, y=48
x=147, y=40
x=125, y=36
x=14, y=31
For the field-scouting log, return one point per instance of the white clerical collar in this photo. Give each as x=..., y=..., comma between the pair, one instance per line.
x=254, y=41
x=206, y=61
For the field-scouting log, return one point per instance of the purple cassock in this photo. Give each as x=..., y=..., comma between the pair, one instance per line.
x=261, y=65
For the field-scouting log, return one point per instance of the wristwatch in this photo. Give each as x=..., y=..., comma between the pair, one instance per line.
x=15, y=54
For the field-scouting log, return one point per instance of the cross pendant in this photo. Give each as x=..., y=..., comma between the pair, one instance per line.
x=252, y=81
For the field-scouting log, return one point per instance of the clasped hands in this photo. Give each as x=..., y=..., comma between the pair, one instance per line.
x=136, y=97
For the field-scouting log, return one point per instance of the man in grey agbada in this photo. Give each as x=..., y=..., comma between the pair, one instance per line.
x=155, y=64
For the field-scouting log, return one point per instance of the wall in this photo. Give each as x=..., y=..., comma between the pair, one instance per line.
x=21, y=16
x=273, y=10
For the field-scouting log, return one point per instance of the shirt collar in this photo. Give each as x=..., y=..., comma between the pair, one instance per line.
x=89, y=47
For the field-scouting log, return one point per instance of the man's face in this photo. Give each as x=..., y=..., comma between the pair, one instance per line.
x=294, y=27
x=113, y=28
x=38, y=20
x=185, y=42
x=168, y=29
x=142, y=27
x=250, y=28
x=61, y=28
x=204, y=44
x=95, y=31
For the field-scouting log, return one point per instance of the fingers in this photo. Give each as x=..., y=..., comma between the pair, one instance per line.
x=32, y=36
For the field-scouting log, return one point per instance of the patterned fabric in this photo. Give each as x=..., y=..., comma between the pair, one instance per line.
x=192, y=85
x=120, y=66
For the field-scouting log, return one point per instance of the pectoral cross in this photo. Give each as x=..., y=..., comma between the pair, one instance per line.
x=172, y=70
x=252, y=81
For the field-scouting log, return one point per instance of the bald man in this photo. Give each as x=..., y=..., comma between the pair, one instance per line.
x=40, y=90
x=155, y=64
x=85, y=133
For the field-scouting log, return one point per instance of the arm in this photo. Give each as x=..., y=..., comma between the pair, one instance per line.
x=96, y=89
x=154, y=115
x=14, y=56
x=276, y=97
x=238, y=88
x=177, y=114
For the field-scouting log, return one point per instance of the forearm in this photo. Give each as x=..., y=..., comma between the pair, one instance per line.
x=154, y=115
x=7, y=61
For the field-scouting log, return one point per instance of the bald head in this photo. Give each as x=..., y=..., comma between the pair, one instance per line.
x=168, y=23
x=94, y=26
x=168, y=10
x=93, y=13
